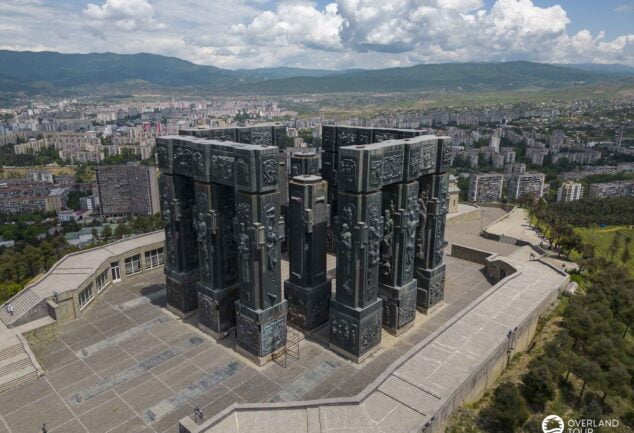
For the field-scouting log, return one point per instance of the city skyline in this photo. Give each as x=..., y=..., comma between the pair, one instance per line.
x=325, y=34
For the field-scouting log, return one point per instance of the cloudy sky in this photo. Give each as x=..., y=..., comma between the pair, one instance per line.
x=330, y=34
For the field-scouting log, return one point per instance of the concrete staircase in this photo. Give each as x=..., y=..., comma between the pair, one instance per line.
x=22, y=304
x=16, y=366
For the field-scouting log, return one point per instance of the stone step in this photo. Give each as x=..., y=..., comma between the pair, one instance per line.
x=11, y=351
x=17, y=378
x=7, y=339
x=22, y=304
x=14, y=364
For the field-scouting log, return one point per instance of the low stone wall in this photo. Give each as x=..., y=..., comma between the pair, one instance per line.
x=470, y=254
x=473, y=215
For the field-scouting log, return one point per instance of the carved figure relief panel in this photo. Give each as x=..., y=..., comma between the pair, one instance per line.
x=375, y=233
x=182, y=159
x=222, y=164
x=271, y=277
x=411, y=226
x=345, y=246
x=262, y=136
x=393, y=165
x=203, y=238
x=370, y=333
x=344, y=332
x=162, y=152
x=407, y=308
x=346, y=137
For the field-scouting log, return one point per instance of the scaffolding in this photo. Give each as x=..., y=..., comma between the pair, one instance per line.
x=291, y=348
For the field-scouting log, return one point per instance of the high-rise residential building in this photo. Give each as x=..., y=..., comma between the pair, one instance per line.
x=127, y=190
x=494, y=143
x=569, y=191
x=623, y=188
x=526, y=183
x=498, y=161
x=90, y=202
x=485, y=187
x=515, y=168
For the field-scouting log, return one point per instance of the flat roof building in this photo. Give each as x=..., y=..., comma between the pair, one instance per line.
x=569, y=191
x=126, y=190
x=522, y=184
x=623, y=188
x=485, y=187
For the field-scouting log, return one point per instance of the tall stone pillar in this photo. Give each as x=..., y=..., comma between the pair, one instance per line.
x=355, y=313
x=433, y=200
x=304, y=163
x=181, y=267
x=218, y=284
x=308, y=289
x=397, y=286
x=258, y=229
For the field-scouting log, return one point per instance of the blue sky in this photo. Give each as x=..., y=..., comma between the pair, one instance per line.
x=328, y=33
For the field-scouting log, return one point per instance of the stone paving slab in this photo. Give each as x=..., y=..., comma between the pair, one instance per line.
x=69, y=372
x=428, y=377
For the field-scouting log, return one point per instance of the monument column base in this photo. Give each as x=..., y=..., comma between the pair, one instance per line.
x=308, y=306
x=399, y=307
x=182, y=294
x=355, y=333
x=431, y=288
x=216, y=313
x=260, y=333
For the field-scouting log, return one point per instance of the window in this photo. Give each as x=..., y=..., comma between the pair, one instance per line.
x=102, y=280
x=114, y=268
x=85, y=296
x=154, y=258
x=133, y=265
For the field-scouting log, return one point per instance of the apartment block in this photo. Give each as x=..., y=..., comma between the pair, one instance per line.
x=526, y=183
x=485, y=187
x=128, y=190
x=569, y=191
x=623, y=188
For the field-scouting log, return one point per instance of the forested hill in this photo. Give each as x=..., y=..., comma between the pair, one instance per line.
x=49, y=72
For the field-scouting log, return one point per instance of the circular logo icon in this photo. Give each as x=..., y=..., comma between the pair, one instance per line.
x=553, y=424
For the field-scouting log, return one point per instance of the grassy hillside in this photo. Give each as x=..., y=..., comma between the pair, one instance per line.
x=602, y=238
x=451, y=76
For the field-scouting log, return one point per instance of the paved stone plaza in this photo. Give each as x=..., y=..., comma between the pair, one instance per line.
x=128, y=365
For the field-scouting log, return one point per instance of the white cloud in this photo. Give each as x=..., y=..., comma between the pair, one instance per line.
x=624, y=8
x=343, y=34
x=124, y=15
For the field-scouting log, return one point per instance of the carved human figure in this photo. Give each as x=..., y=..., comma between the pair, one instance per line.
x=412, y=224
x=420, y=241
x=346, y=243
x=387, y=242
x=245, y=254
x=271, y=240
x=201, y=232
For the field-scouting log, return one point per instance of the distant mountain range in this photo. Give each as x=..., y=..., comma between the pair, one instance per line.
x=50, y=72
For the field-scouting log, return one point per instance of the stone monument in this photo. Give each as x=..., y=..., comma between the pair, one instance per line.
x=308, y=288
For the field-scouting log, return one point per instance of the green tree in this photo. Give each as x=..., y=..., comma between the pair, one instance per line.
x=626, y=255
x=538, y=385
x=106, y=233
x=507, y=411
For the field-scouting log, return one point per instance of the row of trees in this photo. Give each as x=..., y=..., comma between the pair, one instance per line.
x=20, y=264
x=555, y=222
x=586, y=212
